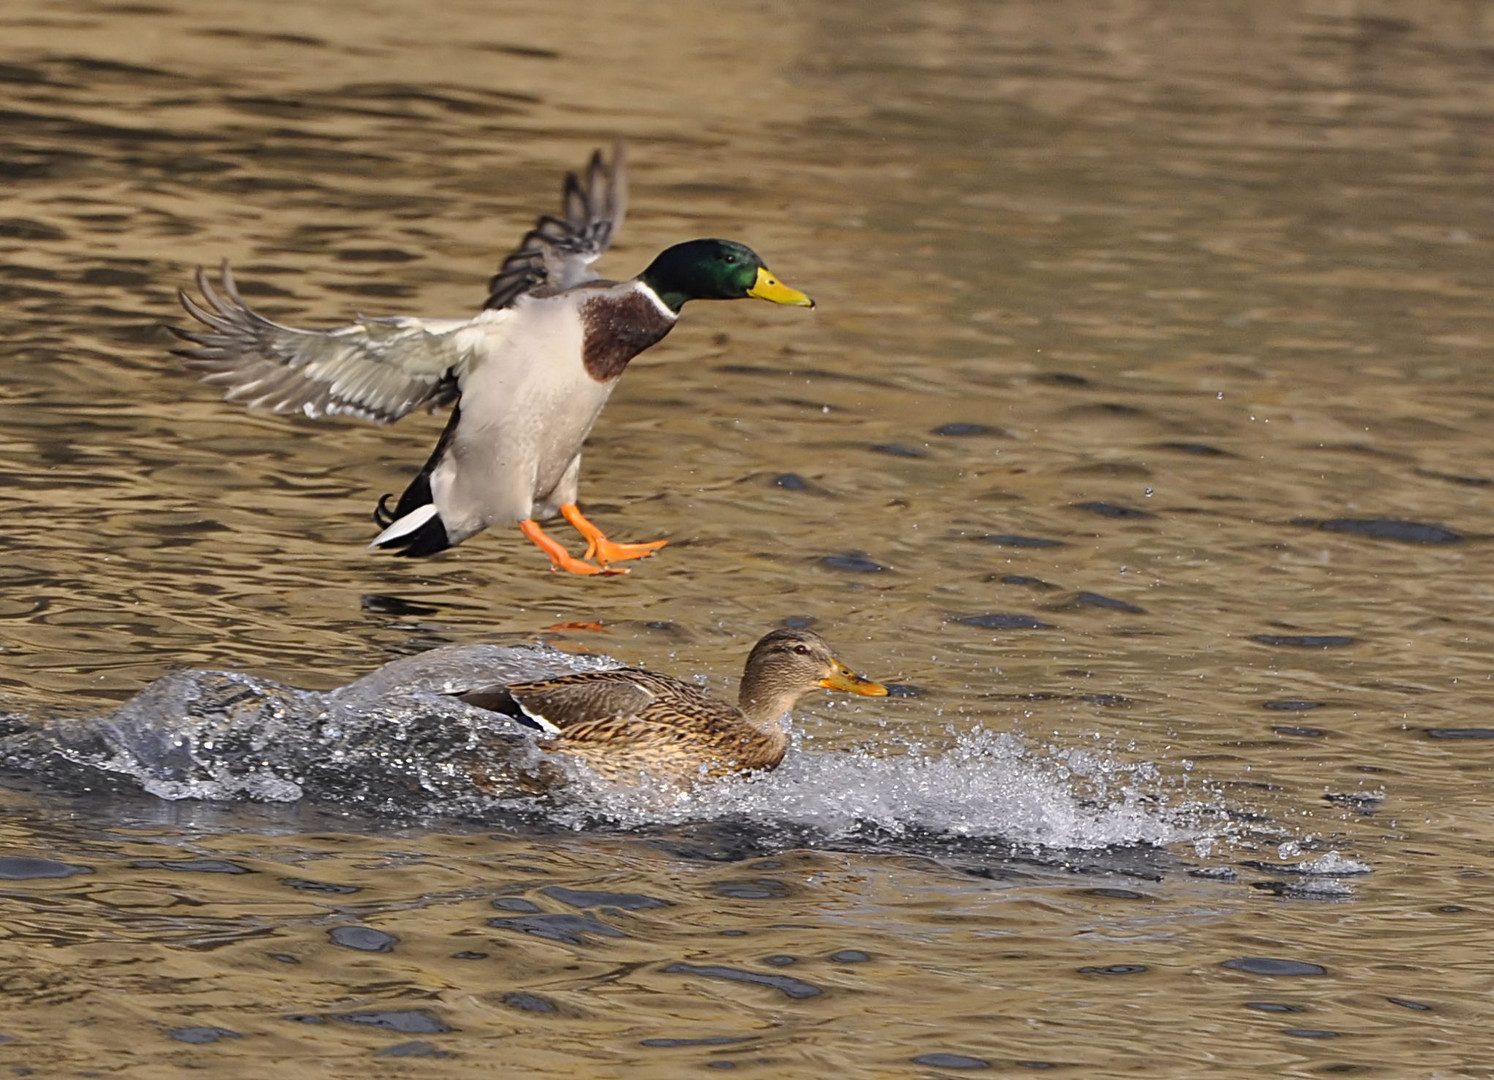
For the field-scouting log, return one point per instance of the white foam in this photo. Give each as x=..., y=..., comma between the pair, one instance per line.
x=984, y=785
x=257, y=788
x=1333, y=865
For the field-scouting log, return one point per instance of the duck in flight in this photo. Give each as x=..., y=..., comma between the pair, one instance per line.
x=526, y=377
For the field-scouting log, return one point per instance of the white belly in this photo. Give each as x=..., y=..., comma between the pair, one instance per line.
x=527, y=406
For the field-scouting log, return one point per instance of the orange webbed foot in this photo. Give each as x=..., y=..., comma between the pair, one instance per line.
x=560, y=558
x=572, y=565
x=606, y=551
x=599, y=547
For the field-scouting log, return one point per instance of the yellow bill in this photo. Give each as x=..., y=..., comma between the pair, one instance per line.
x=843, y=678
x=768, y=287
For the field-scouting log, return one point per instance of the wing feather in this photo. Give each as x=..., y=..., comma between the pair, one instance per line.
x=375, y=369
x=583, y=698
x=558, y=252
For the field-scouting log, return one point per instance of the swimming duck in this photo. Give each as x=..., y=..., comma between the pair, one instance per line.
x=526, y=378
x=625, y=721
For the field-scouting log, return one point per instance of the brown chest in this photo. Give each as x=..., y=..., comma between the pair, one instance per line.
x=616, y=328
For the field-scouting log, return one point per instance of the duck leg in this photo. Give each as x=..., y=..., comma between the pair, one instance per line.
x=605, y=551
x=560, y=558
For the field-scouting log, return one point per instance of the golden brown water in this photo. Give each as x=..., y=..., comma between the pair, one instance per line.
x=1205, y=291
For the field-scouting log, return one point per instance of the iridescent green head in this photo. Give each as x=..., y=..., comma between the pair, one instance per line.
x=715, y=270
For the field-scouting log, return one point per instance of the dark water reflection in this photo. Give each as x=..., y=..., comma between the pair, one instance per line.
x=1149, y=392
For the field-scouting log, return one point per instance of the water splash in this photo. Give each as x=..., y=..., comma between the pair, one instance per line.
x=984, y=785
x=397, y=742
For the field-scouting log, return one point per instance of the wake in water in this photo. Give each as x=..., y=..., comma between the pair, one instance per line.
x=398, y=742
x=984, y=785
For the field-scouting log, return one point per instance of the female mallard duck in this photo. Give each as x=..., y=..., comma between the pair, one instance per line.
x=625, y=721
x=528, y=375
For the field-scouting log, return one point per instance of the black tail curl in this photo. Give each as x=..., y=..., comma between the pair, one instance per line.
x=382, y=515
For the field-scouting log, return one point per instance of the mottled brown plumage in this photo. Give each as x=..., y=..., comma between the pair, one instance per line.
x=627, y=721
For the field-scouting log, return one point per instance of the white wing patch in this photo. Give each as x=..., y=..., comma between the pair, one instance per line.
x=544, y=725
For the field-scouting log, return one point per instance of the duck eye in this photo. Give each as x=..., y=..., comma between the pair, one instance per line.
x=802, y=650
x=729, y=258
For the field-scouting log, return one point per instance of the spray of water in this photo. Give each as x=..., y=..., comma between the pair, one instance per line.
x=984, y=785
x=397, y=742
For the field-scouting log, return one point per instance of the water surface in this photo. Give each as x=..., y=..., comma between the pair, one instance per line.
x=1143, y=429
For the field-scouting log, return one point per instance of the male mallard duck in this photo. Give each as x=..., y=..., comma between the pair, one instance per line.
x=528, y=375
x=625, y=721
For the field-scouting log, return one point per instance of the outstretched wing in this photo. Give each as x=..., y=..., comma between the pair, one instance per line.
x=558, y=251
x=376, y=369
